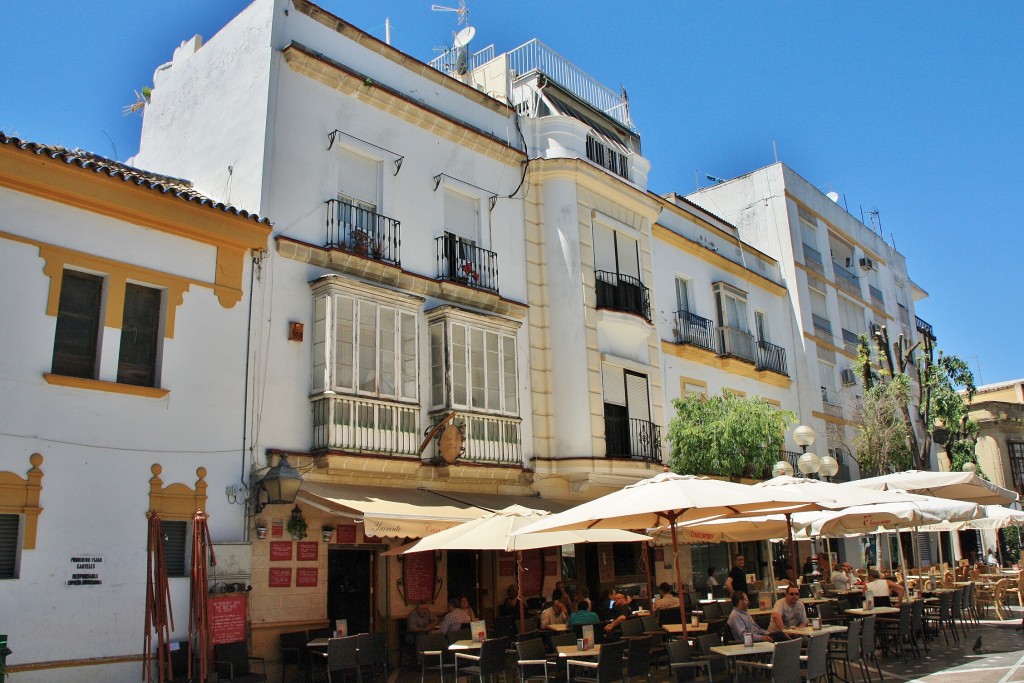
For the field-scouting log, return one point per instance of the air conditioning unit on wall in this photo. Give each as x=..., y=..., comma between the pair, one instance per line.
x=848, y=377
x=866, y=264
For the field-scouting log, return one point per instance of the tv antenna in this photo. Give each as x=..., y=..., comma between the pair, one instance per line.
x=461, y=10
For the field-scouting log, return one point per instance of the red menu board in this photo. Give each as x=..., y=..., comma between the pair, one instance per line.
x=227, y=618
x=305, y=577
x=277, y=528
x=346, y=533
x=533, y=572
x=506, y=568
x=308, y=551
x=280, y=577
x=280, y=551
x=419, y=574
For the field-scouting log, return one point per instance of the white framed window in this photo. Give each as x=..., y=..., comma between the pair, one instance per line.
x=827, y=376
x=364, y=341
x=682, y=295
x=732, y=306
x=761, y=327
x=615, y=252
x=474, y=362
x=819, y=312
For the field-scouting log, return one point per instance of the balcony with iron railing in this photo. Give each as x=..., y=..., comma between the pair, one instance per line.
x=924, y=328
x=488, y=438
x=461, y=261
x=846, y=280
x=771, y=357
x=622, y=293
x=362, y=425
x=627, y=437
x=737, y=343
x=536, y=56
x=693, y=329
x=362, y=232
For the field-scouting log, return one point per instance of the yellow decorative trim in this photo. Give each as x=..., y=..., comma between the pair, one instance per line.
x=735, y=392
x=21, y=497
x=839, y=233
x=772, y=402
x=612, y=189
x=683, y=381
x=679, y=242
x=723, y=363
x=100, y=385
x=834, y=420
x=327, y=72
x=56, y=180
x=176, y=502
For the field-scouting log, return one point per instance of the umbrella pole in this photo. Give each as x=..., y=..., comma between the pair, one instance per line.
x=771, y=567
x=647, y=568
x=679, y=574
x=792, y=548
x=519, y=582
x=903, y=564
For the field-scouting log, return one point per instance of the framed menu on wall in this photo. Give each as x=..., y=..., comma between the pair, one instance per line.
x=280, y=551
x=280, y=577
x=533, y=572
x=419, y=575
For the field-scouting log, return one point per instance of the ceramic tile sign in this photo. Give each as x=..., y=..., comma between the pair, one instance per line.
x=280, y=551
x=280, y=577
x=305, y=577
x=227, y=618
x=85, y=570
x=308, y=551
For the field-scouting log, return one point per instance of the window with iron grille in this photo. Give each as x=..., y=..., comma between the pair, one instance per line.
x=9, y=527
x=603, y=155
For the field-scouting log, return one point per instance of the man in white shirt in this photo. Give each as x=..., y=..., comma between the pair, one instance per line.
x=556, y=614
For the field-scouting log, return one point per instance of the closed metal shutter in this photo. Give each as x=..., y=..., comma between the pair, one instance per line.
x=358, y=177
x=9, y=525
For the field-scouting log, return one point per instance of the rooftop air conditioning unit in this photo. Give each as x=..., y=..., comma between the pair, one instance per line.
x=866, y=264
x=848, y=377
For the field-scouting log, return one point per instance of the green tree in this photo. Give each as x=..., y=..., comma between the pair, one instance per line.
x=882, y=443
x=726, y=435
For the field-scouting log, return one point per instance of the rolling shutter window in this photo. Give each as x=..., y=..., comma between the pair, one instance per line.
x=614, y=385
x=604, y=248
x=461, y=215
x=636, y=397
x=9, y=525
x=175, y=544
x=358, y=177
x=629, y=258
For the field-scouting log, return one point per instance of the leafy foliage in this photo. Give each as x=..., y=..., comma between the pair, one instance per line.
x=882, y=444
x=726, y=435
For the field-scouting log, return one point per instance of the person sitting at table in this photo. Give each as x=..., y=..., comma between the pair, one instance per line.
x=741, y=622
x=881, y=589
x=620, y=611
x=840, y=578
x=712, y=581
x=992, y=560
x=457, y=616
x=665, y=598
x=808, y=567
x=583, y=615
x=788, y=612
x=556, y=614
x=601, y=607
x=420, y=620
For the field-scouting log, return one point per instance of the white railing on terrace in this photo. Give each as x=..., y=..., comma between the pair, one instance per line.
x=535, y=55
x=446, y=61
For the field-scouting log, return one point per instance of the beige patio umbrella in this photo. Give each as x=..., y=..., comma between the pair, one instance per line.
x=668, y=499
x=965, y=486
x=497, y=531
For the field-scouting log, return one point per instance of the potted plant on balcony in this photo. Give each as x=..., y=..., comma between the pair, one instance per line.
x=469, y=274
x=297, y=525
x=360, y=242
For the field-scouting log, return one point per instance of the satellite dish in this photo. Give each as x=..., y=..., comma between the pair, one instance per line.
x=834, y=196
x=463, y=37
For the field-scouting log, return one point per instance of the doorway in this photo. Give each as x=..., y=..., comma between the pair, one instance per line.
x=463, y=571
x=350, y=588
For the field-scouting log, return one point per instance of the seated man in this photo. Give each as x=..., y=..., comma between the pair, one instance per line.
x=456, y=618
x=665, y=600
x=556, y=614
x=789, y=612
x=881, y=589
x=419, y=621
x=741, y=622
x=583, y=615
x=620, y=611
x=841, y=577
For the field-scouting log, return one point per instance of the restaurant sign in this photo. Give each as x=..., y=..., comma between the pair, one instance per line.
x=405, y=528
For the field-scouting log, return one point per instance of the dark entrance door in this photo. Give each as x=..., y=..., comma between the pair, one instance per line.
x=349, y=595
x=463, y=573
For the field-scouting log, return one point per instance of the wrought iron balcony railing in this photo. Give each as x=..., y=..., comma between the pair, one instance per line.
x=736, y=342
x=627, y=437
x=623, y=293
x=771, y=357
x=693, y=329
x=365, y=425
x=924, y=328
x=459, y=260
x=362, y=232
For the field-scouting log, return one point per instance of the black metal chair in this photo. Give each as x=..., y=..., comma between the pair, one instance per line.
x=683, y=666
x=341, y=659
x=607, y=668
x=373, y=655
x=868, y=647
x=486, y=665
x=814, y=665
x=718, y=663
x=784, y=665
x=637, y=661
x=432, y=655
x=294, y=653
x=631, y=628
x=848, y=653
x=233, y=663
x=533, y=662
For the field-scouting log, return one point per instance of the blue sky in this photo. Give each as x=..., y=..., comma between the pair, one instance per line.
x=911, y=109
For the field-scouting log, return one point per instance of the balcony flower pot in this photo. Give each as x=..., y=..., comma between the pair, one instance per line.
x=296, y=525
x=261, y=529
x=360, y=242
x=326, y=532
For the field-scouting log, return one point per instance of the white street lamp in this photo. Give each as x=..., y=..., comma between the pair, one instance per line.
x=782, y=469
x=829, y=466
x=969, y=467
x=809, y=463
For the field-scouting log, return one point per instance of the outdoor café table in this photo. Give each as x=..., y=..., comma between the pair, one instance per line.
x=558, y=627
x=878, y=611
x=570, y=651
x=465, y=645
x=756, y=612
x=677, y=629
x=317, y=642
x=731, y=651
x=808, y=631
